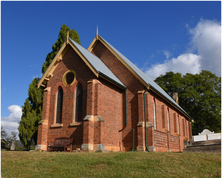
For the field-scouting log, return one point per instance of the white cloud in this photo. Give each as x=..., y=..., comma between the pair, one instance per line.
x=167, y=53
x=10, y=123
x=206, y=40
x=37, y=76
x=15, y=114
x=10, y=126
x=185, y=63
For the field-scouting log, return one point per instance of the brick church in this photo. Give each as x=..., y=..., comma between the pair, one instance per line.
x=103, y=101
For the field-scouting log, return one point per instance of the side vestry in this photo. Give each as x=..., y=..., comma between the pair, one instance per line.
x=101, y=100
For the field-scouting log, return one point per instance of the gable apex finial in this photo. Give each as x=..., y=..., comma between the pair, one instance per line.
x=67, y=37
x=97, y=33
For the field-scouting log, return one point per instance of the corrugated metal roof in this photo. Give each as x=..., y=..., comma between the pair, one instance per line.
x=148, y=80
x=97, y=63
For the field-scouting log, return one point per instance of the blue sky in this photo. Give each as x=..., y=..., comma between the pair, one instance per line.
x=158, y=37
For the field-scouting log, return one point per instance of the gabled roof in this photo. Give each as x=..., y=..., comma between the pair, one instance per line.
x=99, y=66
x=92, y=61
x=147, y=82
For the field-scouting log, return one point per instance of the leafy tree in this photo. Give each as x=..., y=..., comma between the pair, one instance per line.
x=3, y=133
x=10, y=138
x=199, y=95
x=32, y=109
x=4, y=136
x=13, y=137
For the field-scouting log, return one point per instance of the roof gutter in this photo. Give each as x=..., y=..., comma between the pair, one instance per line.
x=120, y=85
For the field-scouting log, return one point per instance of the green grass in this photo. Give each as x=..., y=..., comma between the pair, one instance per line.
x=113, y=164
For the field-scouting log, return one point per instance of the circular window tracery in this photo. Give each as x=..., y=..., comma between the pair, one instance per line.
x=69, y=78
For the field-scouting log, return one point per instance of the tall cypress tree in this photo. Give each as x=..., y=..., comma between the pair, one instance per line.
x=32, y=109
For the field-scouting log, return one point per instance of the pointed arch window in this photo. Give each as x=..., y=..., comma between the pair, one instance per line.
x=168, y=119
x=175, y=123
x=59, y=103
x=178, y=124
x=154, y=115
x=78, y=103
x=183, y=127
x=163, y=117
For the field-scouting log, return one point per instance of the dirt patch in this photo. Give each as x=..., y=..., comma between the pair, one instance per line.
x=100, y=166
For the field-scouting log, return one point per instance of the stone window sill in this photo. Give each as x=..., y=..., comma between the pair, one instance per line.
x=175, y=134
x=164, y=130
x=57, y=125
x=75, y=124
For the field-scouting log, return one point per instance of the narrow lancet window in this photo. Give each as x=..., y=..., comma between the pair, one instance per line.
x=183, y=128
x=168, y=120
x=59, y=105
x=154, y=115
x=178, y=124
x=175, y=123
x=78, y=103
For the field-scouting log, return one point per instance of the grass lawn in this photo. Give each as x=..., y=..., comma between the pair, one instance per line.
x=113, y=164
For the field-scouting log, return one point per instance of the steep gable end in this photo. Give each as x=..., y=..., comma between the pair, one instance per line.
x=93, y=62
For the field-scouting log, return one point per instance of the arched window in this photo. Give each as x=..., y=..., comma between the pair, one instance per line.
x=59, y=105
x=163, y=117
x=175, y=123
x=168, y=119
x=183, y=127
x=178, y=124
x=154, y=115
x=78, y=103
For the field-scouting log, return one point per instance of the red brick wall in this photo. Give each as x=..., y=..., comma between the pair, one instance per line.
x=71, y=61
x=133, y=85
x=149, y=108
x=160, y=141
x=43, y=125
x=174, y=143
x=110, y=108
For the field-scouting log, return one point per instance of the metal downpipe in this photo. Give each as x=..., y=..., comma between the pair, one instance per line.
x=133, y=140
x=144, y=97
x=126, y=103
